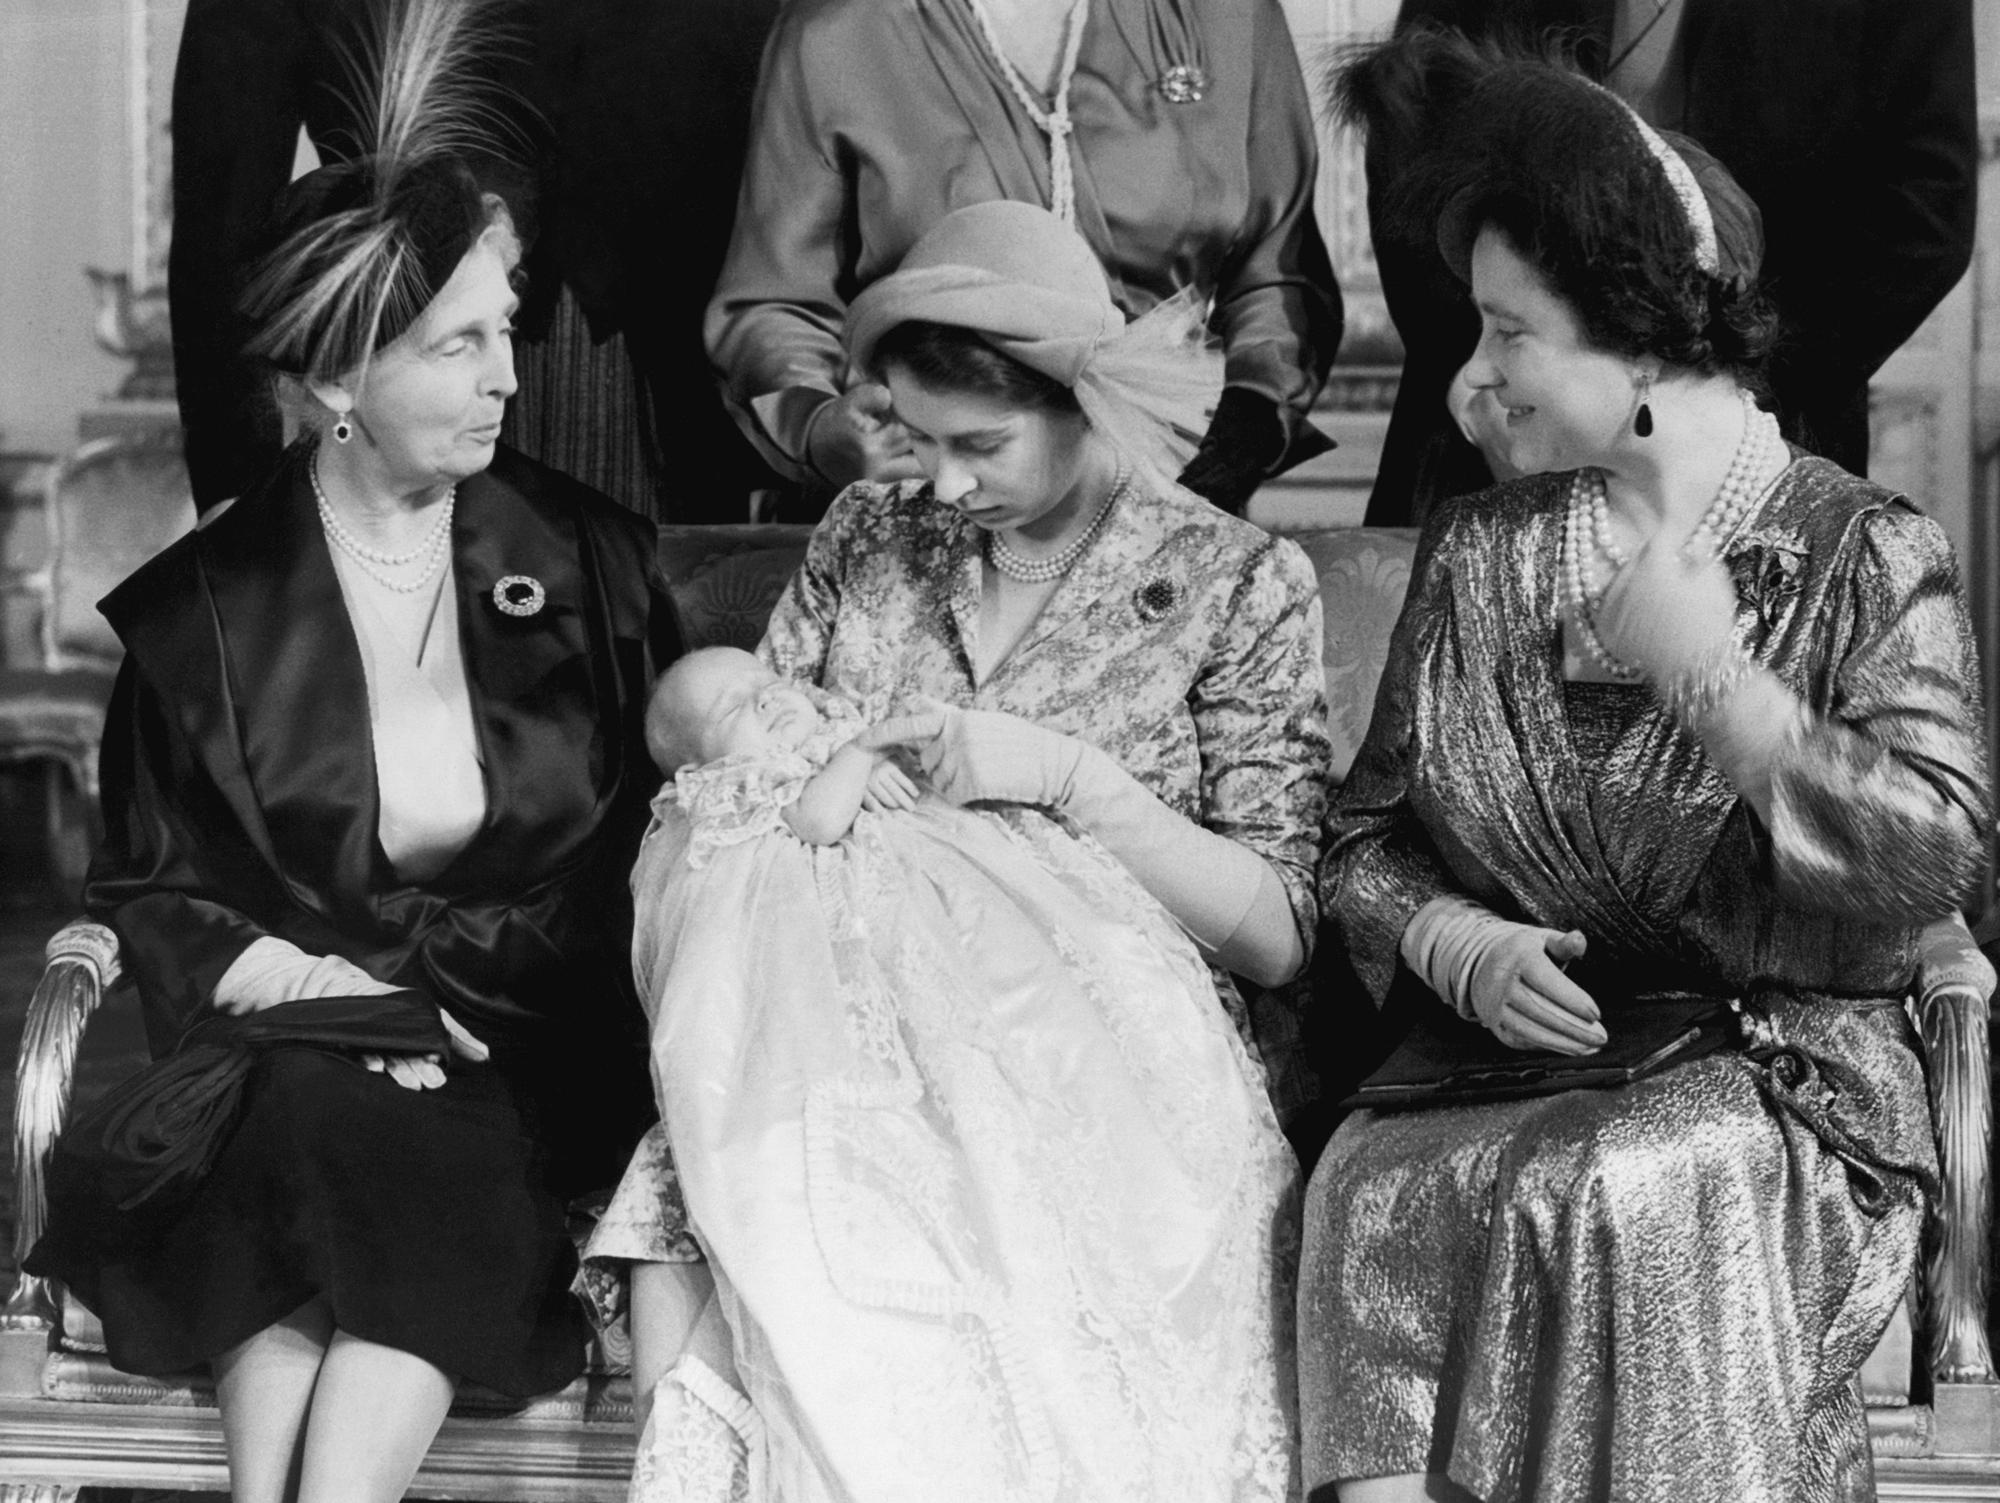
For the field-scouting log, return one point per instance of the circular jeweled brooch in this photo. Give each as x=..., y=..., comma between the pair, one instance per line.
x=519, y=595
x=1155, y=598
x=1184, y=83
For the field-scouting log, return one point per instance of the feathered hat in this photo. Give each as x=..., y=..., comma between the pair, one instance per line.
x=365, y=243
x=1031, y=287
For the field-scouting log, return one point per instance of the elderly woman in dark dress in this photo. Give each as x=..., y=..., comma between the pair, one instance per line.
x=378, y=736
x=1683, y=713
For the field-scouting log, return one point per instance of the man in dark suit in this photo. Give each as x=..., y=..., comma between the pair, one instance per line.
x=1851, y=123
x=632, y=117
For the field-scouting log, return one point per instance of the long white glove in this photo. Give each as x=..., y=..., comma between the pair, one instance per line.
x=1505, y=975
x=1227, y=897
x=272, y=970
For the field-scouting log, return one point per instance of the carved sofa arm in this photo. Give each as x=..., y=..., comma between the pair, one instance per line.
x=82, y=963
x=1954, y=992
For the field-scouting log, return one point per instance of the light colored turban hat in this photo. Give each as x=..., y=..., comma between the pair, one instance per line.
x=1031, y=287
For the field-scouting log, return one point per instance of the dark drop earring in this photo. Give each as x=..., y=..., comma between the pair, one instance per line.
x=1642, y=420
x=344, y=430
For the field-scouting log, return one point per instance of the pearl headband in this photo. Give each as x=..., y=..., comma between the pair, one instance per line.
x=1680, y=177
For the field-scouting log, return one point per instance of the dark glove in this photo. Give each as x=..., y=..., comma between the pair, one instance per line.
x=1245, y=440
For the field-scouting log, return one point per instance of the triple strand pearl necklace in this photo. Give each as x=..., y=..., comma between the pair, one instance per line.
x=1587, y=530
x=1056, y=565
x=1054, y=121
x=432, y=551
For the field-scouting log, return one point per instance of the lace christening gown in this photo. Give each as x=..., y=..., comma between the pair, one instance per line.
x=988, y=1183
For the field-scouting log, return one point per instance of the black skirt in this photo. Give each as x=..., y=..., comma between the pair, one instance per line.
x=425, y=1219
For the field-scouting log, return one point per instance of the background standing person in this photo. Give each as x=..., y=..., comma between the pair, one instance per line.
x=1853, y=128
x=1175, y=134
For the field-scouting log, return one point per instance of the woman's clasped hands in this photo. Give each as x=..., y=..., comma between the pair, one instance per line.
x=425, y=1072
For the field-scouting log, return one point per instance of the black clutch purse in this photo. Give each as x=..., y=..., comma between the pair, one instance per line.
x=1448, y=1061
x=127, y=1164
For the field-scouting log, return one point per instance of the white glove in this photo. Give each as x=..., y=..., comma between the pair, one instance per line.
x=271, y=971
x=1505, y=975
x=970, y=755
x=1226, y=896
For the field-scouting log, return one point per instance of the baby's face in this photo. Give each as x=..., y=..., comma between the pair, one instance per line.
x=743, y=707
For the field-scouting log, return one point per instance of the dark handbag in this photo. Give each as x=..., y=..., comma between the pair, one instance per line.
x=1449, y=1061
x=131, y=1161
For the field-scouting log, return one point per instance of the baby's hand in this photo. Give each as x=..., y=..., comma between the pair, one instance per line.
x=889, y=787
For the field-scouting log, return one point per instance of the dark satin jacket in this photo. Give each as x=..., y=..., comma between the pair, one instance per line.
x=240, y=791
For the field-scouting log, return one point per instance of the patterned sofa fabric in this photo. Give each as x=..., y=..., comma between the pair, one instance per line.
x=1364, y=572
x=725, y=581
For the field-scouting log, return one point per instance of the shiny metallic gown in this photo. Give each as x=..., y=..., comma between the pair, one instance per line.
x=1661, y=1292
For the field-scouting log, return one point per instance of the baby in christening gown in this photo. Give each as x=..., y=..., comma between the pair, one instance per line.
x=991, y=1194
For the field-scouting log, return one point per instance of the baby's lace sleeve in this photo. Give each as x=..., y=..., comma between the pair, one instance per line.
x=737, y=798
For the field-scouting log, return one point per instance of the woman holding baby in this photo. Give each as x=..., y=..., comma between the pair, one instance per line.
x=1107, y=696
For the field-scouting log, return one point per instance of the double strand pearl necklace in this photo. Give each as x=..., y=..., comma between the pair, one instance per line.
x=1056, y=565
x=1587, y=530
x=1054, y=122
x=432, y=551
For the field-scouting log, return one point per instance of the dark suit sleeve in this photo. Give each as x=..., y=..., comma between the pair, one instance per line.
x=1908, y=217
x=147, y=882
x=1424, y=456
x=238, y=103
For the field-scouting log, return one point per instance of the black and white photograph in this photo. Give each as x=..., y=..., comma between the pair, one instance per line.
x=999, y=751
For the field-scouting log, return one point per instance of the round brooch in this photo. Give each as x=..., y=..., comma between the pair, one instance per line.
x=1184, y=83
x=519, y=595
x=1155, y=598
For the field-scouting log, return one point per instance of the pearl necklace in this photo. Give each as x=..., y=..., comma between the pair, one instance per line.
x=433, y=550
x=1053, y=122
x=1742, y=485
x=1056, y=565
x=1580, y=598
x=1587, y=529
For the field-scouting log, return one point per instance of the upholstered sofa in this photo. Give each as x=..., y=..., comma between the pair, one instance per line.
x=68, y=1418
